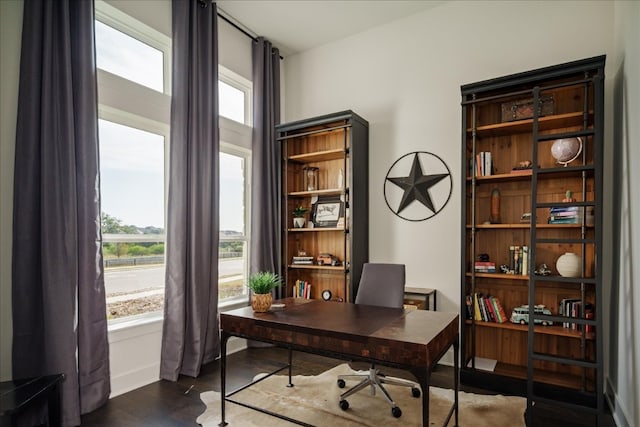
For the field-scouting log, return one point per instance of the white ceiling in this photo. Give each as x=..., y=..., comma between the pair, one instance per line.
x=297, y=25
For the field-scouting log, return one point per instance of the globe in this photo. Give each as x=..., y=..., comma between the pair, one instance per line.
x=566, y=150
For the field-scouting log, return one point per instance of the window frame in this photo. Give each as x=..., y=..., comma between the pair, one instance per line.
x=235, y=150
x=242, y=84
x=130, y=26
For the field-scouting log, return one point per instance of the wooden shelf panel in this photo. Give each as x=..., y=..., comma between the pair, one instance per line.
x=501, y=276
x=548, y=330
x=519, y=126
x=325, y=192
x=503, y=177
x=319, y=156
x=527, y=226
x=318, y=267
x=316, y=229
x=541, y=376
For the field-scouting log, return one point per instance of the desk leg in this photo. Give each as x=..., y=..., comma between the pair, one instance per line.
x=223, y=376
x=290, y=365
x=424, y=379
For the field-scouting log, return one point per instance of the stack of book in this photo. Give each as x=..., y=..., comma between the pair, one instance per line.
x=572, y=307
x=565, y=215
x=302, y=260
x=482, y=165
x=302, y=289
x=485, y=267
x=519, y=260
x=485, y=308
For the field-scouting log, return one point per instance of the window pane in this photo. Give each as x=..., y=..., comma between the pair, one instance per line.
x=232, y=248
x=231, y=102
x=132, y=197
x=121, y=54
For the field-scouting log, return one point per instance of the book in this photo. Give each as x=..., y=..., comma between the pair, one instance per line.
x=476, y=308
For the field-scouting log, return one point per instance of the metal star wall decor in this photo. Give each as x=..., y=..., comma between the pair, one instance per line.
x=417, y=197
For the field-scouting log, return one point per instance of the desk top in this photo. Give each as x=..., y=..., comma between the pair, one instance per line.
x=390, y=336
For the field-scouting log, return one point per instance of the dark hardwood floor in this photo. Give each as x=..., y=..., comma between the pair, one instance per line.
x=165, y=403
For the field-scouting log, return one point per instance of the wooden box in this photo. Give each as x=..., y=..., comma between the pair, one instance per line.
x=523, y=108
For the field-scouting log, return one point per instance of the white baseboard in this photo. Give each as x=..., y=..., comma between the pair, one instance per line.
x=134, y=379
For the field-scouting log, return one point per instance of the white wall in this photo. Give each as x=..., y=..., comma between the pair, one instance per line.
x=10, y=41
x=624, y=336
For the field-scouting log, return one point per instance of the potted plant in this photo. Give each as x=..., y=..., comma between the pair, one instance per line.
x=261, y=284
x=298, y=216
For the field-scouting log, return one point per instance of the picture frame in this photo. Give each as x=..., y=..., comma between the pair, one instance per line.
x=327, y=211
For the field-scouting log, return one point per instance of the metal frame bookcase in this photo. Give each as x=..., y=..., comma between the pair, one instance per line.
x=563, y=363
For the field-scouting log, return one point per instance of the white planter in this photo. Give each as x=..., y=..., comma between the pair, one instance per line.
x=298, y=222
x=569, y=265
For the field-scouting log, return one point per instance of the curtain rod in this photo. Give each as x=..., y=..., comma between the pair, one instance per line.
x=237, y=27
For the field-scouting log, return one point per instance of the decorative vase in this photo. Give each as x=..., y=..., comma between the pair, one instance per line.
x=494, y=218
x=260, y=303
x=569, y=265
x=298, y=222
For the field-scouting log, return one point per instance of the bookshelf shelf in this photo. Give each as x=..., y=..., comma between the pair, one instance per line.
x=549, y=330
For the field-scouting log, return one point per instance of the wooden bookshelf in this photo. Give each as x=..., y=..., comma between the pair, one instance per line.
x=492, y=206
x=336, y=146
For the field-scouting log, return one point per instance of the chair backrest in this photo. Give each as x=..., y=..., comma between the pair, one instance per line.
x=381, y=285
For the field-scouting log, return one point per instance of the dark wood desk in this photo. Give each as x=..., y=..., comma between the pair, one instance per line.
x=413, y=340
x=17, y=397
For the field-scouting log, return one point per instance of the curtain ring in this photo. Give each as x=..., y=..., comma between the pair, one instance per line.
x=203, y=3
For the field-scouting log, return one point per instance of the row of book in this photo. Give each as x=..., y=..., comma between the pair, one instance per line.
x=302, y=289
x=485, y=308
x=519, y=260
x=572, y=307
x=302, y=260
x=482, y=165
x=569, y=215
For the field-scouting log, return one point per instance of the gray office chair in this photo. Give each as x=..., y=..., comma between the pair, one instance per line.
x=380, y=285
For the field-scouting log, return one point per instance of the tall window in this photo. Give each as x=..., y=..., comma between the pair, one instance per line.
x=235, y=158
x=134, y=108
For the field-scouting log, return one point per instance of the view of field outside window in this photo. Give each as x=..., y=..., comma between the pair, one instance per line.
x=133, y=178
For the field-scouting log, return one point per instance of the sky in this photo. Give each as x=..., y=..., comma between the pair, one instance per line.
x=132, y=178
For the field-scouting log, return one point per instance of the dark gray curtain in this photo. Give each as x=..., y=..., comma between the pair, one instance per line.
x=59, y=314
x=190, y=335
x=265, y=191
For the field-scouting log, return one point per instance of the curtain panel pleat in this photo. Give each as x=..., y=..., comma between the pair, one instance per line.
x=58, y=295
x=265, y=191
x=190, y=335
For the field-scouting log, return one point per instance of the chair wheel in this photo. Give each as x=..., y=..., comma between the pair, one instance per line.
x=396, y=412
x=341, y=383
x=415, y=392
x=344, y=405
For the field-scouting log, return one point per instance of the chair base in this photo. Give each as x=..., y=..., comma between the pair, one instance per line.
x=375, y=380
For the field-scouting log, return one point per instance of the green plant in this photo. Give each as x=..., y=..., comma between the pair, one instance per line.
x=263, y=282
x=299, y=211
